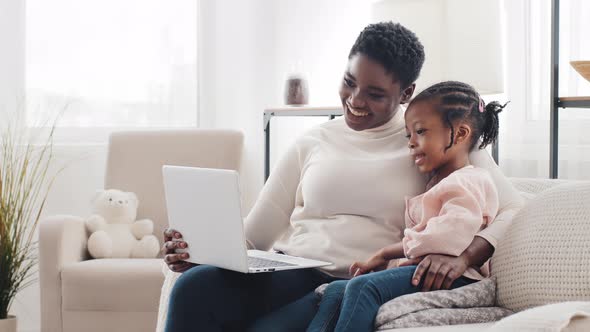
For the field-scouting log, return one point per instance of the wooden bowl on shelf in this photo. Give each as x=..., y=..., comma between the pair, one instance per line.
x=583, y=68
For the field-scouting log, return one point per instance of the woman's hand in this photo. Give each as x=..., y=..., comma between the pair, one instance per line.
x=439, y=271
x=375, y=263
x=175, y=261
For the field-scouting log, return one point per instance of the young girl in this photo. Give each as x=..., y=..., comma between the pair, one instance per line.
x=443, y=124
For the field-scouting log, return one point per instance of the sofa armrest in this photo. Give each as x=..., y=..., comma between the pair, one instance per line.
x=62, y=240
x=169, y=281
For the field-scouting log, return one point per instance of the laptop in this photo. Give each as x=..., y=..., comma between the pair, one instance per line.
x=204, y=205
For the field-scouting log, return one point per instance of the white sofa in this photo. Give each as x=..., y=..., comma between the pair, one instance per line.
x=81, y=294
x=522, y=276
x=122, y=295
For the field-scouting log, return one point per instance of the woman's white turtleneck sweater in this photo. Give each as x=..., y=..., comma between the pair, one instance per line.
x=338, y=195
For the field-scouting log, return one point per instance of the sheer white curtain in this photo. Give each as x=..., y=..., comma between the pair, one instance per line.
x=111, y=63
x=524, y=131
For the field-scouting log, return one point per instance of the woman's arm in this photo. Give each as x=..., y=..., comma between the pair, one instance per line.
x=440, y=271
x=271, y=215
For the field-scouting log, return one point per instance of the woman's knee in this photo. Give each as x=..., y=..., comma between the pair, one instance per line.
x=195, y=282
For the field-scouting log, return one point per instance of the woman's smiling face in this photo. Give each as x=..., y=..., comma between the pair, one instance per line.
x=370, y=95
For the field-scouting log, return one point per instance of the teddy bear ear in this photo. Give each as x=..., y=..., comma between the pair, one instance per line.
x=96, y=195
x=133, y=197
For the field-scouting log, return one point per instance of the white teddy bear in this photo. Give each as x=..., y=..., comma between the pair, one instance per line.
x=114, y=232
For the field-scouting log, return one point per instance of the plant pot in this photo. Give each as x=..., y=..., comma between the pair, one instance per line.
x=8, y=324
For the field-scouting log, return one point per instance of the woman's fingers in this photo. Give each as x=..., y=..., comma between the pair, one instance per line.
x=422, y=267
x=173, y=258
x=171, y=233
x=430, y=276
x=180, y=267
x=441, y=276
x=172, y=245
x=450, y=279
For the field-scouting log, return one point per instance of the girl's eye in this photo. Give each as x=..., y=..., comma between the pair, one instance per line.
x=420, y=131
x=348, y=83
x=408, y=136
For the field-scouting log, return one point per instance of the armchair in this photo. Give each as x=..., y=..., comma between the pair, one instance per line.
x=83, y=294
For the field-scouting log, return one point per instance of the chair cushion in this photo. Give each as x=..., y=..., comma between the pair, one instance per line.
x=128, y=285
x=545, y=255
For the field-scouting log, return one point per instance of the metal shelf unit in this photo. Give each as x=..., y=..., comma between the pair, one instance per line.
x=556, y=101
x=331, y=112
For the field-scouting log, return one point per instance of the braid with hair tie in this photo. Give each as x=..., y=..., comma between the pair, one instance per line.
x=457, y=101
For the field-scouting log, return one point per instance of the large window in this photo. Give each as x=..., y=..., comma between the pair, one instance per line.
x=111, y=63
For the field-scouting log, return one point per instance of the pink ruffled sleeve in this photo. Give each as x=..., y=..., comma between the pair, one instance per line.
x=467, y=204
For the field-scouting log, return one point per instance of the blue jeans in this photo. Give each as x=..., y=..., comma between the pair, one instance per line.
x=207, y=298
x=351, y=305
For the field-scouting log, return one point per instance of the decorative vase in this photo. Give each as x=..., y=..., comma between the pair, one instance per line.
x=296, y=92
x=8, y=324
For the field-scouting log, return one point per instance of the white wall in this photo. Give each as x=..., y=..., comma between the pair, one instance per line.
x=247, y=51
x=12, y=53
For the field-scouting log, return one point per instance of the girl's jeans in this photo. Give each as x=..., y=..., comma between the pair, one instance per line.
x=351, y=305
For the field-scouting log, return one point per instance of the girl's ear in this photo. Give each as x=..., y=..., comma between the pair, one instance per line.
x=407, y=94
x=463, y=133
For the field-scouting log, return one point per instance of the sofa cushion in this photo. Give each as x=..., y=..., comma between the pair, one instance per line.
x=127, y=285
x=545, y=255
x=565, y=316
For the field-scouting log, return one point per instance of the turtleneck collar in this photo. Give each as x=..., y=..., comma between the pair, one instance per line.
x=393, y=125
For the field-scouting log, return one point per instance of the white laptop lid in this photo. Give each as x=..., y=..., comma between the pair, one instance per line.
x=204, y=205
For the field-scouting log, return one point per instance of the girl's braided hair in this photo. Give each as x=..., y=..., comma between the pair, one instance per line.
x=459, y=101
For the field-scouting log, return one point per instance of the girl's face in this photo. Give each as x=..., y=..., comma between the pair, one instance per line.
x=428, y=138
x=370, y=95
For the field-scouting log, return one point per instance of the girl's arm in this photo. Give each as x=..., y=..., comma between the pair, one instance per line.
x=378, y=261
x=393, y=251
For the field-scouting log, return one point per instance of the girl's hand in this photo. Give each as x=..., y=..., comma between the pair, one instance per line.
x=175, y=261
x=439, y=271
x=375, y=263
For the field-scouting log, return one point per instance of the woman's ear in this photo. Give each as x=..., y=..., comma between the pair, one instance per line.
x=463, y=133
x=407, y=93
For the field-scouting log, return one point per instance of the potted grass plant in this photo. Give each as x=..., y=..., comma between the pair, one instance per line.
x=24, y=184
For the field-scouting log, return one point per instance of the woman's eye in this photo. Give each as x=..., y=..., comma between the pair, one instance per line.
x=420, y=131
x=408, y=136
x=349, y=83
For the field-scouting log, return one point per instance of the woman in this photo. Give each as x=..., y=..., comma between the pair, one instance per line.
x=336, y=195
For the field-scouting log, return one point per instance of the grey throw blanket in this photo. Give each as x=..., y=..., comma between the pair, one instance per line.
x=474, y=303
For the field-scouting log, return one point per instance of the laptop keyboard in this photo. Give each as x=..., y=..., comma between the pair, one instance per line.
x=262, y=262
